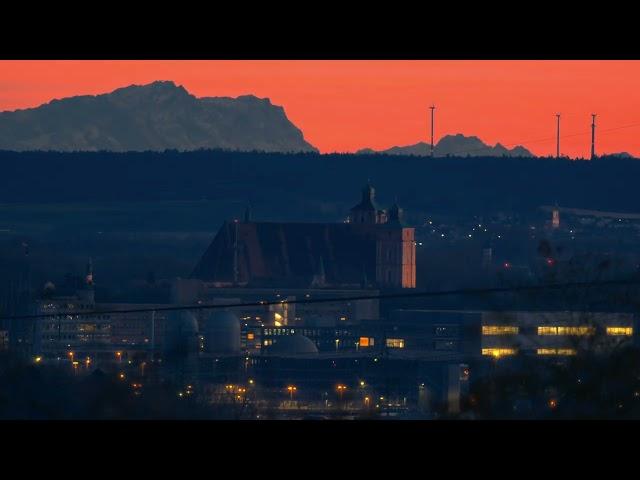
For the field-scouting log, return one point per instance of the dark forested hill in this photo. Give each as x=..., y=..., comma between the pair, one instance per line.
x=316, y=187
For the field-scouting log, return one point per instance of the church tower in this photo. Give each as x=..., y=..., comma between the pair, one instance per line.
x=396, y=252
x=367, y=212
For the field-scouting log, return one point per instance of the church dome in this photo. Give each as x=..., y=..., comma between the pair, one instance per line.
x=293, y=345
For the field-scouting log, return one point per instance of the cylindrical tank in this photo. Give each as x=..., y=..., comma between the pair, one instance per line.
x=182, y=333
x=292, y=345
x=222, y=333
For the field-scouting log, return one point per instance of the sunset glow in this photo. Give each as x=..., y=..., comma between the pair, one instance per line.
x=347, y=105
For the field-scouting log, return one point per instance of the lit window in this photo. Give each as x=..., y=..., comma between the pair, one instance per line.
x=250, y=336
x=556, y=351
x=620, y=331
x=566, y=351
x=500, y=330
x=576, y=330
x=546, y=351
x=395, y=342
x=498, y=352
x=367, y=341
x=547, y=330
x=582, y=330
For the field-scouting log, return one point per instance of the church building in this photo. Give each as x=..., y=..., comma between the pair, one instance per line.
x=373, y=249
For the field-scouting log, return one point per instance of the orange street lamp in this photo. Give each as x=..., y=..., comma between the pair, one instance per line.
x=341, y=388
x=292, y=389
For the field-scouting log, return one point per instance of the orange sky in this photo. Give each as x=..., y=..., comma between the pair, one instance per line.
x=346, y=105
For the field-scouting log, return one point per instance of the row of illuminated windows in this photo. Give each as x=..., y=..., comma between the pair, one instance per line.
x=498, y=352
x=500, y=330
x=624, y=331
x=395, y=342
x=367, y=341
x=555, y=330
x=556, y=351
x=390, y=342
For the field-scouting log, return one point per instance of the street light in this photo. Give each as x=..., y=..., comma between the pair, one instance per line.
x=341, y=389
x=291, y=389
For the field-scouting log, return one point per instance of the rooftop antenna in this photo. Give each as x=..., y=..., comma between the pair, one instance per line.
x=593, y=136
x=432, y=108
x=558, y=136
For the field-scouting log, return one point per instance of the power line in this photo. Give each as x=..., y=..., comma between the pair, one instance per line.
x=264, y=303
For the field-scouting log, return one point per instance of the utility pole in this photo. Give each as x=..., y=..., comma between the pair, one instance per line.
x=558, y=136
x=432, y=108
x=593, y=136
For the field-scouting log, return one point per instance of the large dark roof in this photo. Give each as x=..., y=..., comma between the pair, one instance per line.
x=290, y=254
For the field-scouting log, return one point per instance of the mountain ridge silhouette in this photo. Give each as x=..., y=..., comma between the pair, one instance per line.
x=454, y=145
x=153, y=117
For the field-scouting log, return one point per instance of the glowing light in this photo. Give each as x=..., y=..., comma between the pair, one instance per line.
x=564, y=330
x=498, y=352
x=121, y=376
x=556, y=351
x=37, y=359
x=500, y=330
x=395, y=342
x=553, y=403
x=620, y=331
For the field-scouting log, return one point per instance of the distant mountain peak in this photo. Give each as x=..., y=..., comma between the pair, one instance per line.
x=455, y=145
x=152, y=117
